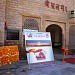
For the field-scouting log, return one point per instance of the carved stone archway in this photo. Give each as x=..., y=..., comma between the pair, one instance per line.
x=56, y=34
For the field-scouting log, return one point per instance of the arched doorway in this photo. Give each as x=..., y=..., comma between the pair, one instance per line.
x=72, y=37
x=56, y=35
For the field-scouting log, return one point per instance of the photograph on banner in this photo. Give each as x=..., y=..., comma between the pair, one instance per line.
x=38, y=43
x=39, y=54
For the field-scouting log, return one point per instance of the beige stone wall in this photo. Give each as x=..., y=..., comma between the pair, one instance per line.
x=2, y=21
x=2, y=10
x=17, y=9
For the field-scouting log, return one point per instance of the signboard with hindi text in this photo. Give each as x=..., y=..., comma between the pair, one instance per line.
x=38, y=47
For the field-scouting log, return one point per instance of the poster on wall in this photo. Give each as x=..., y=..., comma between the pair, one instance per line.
x=38, y=47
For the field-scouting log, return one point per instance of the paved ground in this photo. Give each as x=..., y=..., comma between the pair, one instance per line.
x=45, y=68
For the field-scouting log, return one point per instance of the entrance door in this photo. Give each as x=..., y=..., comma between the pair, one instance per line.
x=56, y=35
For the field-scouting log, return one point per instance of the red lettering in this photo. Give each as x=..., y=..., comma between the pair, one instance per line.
x=66, y=9
x=57, y=6
x=53, y=5
x=62, y=7
x=47, y=3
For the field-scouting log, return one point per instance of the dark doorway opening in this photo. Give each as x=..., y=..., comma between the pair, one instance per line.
x=56, y=35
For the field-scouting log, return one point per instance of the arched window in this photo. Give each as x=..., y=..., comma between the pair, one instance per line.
x=30, y=24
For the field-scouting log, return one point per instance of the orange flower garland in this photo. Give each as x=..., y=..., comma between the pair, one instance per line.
x=9, y=54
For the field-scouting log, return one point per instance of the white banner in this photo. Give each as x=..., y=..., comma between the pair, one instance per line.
x=38, y=47
x=25, y=30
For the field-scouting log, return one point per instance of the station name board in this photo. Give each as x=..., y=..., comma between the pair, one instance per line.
x=55, y=6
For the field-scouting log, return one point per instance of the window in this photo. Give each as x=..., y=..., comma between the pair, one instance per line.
x=12, y=34
x=30, y=24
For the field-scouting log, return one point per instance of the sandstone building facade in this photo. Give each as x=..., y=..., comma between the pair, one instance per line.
x=43, y=15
